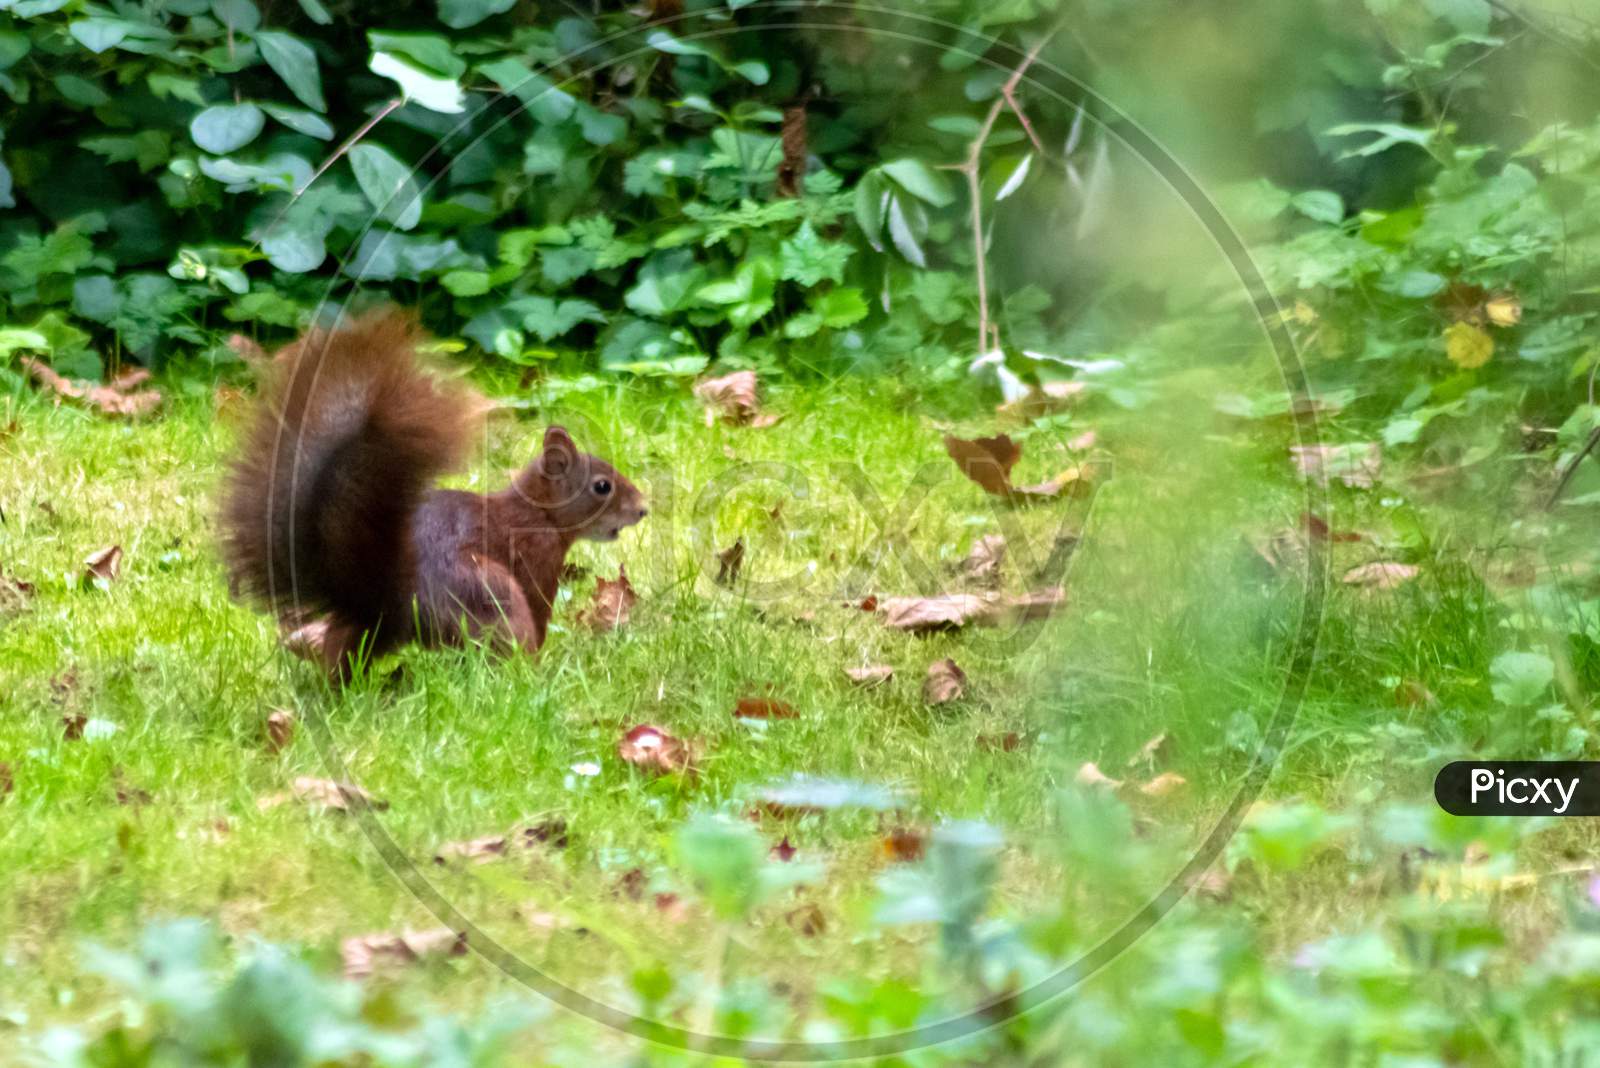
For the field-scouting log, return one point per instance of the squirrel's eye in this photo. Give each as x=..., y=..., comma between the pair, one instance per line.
x=602, y=486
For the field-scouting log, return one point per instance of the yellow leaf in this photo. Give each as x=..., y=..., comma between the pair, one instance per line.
x=1503, y=309
x=1467, y=346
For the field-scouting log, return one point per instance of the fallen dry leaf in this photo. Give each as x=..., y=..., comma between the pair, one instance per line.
x=280, y=730
x=1357, y=465
x=654, y=750
x=987, y=461
x=946, y=682
x=807, y=919
x=903, y=845
x=1150, y=752
x=1412, y=694
x=103, y=566
x=672, y=907
x=363, y=954
x=1380, y=576
x=1503, y=309
x=733, y=396
x=870, y=674
x=729, y=562
x=1005, y=742
x=109, y=399
x=475, y=850
x=1317, y=528
x=764, y=708
x=1091, y=775
x=14, y=590
x=127, y=793
x=1164, y=785
x=72, y=725
x=951, y=611
x=632, y=884
x=323, y=794
x=8, y=781
x=783, y=851
x=868, y=603
x=611, y=605
x=982, y=563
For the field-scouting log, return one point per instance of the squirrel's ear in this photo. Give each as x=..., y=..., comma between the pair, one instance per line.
x=559, y=451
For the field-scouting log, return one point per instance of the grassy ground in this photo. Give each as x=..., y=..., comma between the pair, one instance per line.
x=1174, y=625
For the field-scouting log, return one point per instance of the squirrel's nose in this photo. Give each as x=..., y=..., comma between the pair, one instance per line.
x=643, y=512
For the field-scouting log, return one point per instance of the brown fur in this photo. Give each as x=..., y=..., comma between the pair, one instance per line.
x=330, y=508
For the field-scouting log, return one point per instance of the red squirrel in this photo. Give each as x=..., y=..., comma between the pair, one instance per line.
x=330, y=506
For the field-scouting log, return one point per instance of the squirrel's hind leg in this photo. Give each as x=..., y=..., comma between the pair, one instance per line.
x=495, y=606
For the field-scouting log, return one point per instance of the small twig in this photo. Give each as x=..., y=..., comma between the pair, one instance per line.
x=969, y=169
x=1572, y=468
x=349, y=143
x=1027, y=126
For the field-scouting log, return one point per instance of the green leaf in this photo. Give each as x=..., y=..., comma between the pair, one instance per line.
x=1320, y=205
x=316, y=12
x=920, y=180
x=545, y=102
x=443, y=95
x=663, y=284
x=902, y=233
x=1521, y=679
x=1388, y=134
x=99, y=34
x=80, y=91
x=724, y=859
x=841, y=307
x=871, y=205
x=240, y=16
x=466, y=283
x=807, y=259
x=388, y=184
x=293, y=61
x=301, y=121
x=460, y=14
x=225, y=127
x=549, y=319
x=427, y=51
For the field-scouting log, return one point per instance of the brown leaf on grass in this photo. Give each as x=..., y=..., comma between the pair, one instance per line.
x=72, y=725
x=870, y=674
x=733, y=397
x=951, y=611
x=672, y=907
x=729, y=562
x=15, y=589
x=323, y=794
x=783, y=851
x=632, y=884
x=1318, y=529
x=611, y=605
x=113, y=399
x=279, y=730
x=364, y=954
x=1410, y=693
x=807, y=919
x=474, y=850
x=1004, y=742
x=869, y=603
x=903, y=845
x=127, y=793
x=654, y=750
x=1091, y=775
x=1151, y=752
x=1380, y=576
x=987, y=461
x=1357, y=465
x=8, y=781
x=764, y=708
x=103, y=566
x=1503, y=309
x=306, y=642
x=982, y=563
x=1164, y=785
x=946, y=682
x=1472, y=304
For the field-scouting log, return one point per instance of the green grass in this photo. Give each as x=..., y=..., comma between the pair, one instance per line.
x=1172, y=625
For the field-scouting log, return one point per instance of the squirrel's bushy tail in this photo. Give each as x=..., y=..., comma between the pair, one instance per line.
x=348, y=436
